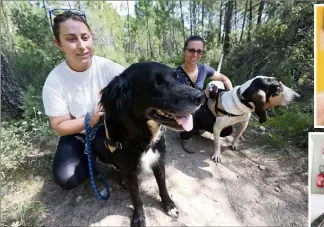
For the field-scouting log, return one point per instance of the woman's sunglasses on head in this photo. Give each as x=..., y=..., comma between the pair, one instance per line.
x=57, y=12
x=193, y=51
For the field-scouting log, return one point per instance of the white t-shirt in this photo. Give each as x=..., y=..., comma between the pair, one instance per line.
x=68, y=92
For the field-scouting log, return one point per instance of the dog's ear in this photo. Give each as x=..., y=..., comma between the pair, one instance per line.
x=259, y=100
x=116, y=96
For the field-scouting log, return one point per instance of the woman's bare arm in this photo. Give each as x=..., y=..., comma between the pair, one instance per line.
x=221, y=77
x=66, y=125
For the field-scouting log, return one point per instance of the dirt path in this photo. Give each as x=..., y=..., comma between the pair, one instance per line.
x=234, y=193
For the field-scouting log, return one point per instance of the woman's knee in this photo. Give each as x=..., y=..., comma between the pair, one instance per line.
x=70, y=167
x=64, y=179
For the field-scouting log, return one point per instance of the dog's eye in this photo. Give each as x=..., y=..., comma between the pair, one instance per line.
x=159, y=79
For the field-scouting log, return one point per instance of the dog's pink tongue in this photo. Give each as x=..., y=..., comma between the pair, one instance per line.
x=186, y=122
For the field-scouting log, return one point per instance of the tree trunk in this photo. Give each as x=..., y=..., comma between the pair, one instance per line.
x=139, y=44
x=210, y=21
x=190, y=15
x=250, y=23
x=234, y=27
x=174, y=41
x=244, y=18
x=194, y=17
x=202, y=17
x=10, y=92
x=148, y=32
x=129, y=36
x=220, y=22
x=260, y=11
x=182, y=20
x=227, y=26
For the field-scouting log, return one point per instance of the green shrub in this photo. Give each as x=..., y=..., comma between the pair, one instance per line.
x=290, y=126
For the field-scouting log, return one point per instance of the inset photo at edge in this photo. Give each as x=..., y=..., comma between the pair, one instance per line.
x=316, y=178
x=318, y=67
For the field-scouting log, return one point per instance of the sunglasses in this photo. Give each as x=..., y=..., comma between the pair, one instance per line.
x=57, y=12
x=193, y=51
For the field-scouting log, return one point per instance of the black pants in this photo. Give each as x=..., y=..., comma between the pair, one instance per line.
x=203, y=119
x=70, y=165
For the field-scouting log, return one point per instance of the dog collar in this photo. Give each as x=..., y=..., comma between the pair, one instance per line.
x=110, y=145
x=242, y=100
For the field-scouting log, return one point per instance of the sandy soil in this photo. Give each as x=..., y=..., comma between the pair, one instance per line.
x=233, y=193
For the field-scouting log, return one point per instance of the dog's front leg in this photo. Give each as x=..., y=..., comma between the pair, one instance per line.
x=138, y=219
x=243, y=126
x=159, y=173
x=217, y=147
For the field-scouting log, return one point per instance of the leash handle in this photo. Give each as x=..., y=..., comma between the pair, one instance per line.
x=89, y=136
x=220, y=63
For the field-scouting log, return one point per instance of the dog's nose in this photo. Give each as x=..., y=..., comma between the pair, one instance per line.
x=200, y=98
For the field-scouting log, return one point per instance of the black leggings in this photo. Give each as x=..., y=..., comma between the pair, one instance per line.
x=70, y=165
x=203, y=119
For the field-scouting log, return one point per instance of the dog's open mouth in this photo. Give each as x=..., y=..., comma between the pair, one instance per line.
x=176, y=121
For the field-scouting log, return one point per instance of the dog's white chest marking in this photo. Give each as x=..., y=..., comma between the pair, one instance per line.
x=149, y=158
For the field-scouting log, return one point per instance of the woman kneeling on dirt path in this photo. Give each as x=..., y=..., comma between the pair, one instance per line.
x=70, y=91
x=194, y=74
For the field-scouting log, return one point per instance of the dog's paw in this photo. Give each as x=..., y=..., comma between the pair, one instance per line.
x=216, y=158
x=171, y=209
x=235, y=147
x=138, y=221
x=123, y=185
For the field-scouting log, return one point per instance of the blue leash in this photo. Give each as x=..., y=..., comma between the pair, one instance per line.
x=90, y=134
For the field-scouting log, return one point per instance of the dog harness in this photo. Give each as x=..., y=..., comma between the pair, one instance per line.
x=242, y=100
x=110, y=145
x=220, y=109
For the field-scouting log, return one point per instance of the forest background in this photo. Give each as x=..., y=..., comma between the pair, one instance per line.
x=257, y=37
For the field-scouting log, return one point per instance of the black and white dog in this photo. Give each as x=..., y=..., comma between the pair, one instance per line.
x=138, y=104
x=236, y=106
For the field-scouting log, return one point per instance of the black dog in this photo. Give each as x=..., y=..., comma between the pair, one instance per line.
x=138, y=103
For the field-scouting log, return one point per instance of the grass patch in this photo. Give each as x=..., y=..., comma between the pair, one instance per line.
x=289, y=126
x=21, y=207
x=24, y=167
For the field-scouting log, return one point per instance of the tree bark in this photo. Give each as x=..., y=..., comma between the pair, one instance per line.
x=250, y=23
x=194, y=17
x=129, y=36
x=174, y=41
x=220, y=22
x=202, y=17
x=182, y=20
x=260, y=11
x=227, y=26
x=190, y=14
x=244, y=18
x=10, y=92
x=235, y=21
x=148, y=32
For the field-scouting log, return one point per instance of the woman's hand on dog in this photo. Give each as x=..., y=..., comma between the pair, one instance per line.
x=97, y=112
